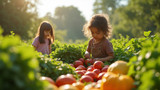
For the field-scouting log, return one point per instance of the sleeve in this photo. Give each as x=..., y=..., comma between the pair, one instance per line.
x=35, y=42
x=89, y=46
x=109, y=49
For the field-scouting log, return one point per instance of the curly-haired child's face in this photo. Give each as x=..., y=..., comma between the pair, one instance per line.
x=97, y=34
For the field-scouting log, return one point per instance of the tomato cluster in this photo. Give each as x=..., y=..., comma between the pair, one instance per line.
x=89, y=69
x=97, y=76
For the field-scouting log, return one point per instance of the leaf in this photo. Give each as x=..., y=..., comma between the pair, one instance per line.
x=147, y=33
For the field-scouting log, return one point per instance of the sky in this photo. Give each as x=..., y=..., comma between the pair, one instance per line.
x=84, y=6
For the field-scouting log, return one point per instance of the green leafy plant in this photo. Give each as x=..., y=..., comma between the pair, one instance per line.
x=125, y=48
x=69, y=53
x=18, y=65
x=52, y=68
x=144, y=67
x=56, y=45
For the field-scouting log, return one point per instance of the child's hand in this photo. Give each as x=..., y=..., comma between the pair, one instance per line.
x=87, y=55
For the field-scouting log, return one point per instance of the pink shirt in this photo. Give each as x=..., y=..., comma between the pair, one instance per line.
x=44, y=47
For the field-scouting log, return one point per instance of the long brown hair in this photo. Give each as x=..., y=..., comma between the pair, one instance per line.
x=45, y=25
x=99, y=21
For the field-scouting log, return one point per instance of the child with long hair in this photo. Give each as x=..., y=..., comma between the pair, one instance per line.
x=99, y=45
x=44, y=38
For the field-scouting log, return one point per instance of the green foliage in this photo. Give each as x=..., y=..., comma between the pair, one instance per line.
x=18, y=65
x=32, y=31
x=105, y=6
x=56, y=45
x=137, y=16
x=60, y=35
x=144, y=67
x=125, y=48
x=52, y=68
x=16, y=16
x=68, y=53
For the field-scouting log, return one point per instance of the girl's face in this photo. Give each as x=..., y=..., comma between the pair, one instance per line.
x=47, y=33
x=97, y=34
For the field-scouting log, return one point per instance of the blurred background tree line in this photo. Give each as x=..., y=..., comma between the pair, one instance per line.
x=131, y=19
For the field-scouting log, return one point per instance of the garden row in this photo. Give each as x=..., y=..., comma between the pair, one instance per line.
x=21, y=67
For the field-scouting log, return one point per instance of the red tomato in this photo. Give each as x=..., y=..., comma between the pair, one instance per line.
x=89, y=62
x=86, y=78
x=81, y=59
x=84, y=71
x=91, y=66
x=92, y=74
x=80, y=72
x=70, y=75
x=65, y=79
x=90, y=69
x=47, y=79
x=97, y=71
x=80, y=67
x=100, y=75
x=77, y=63
x=105, y=68
x=98, y=64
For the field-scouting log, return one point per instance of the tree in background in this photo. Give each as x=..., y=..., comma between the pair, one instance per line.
x=110, y=7
x=131, y=19
x=69, y=19
x=138, y=16
x=17, y=16
x=105, y=6
x=60, y=35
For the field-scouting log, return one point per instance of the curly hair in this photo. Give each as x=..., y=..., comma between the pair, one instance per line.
x=99, y=21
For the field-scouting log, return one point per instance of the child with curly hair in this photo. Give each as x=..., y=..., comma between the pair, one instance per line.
x=99, y=45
